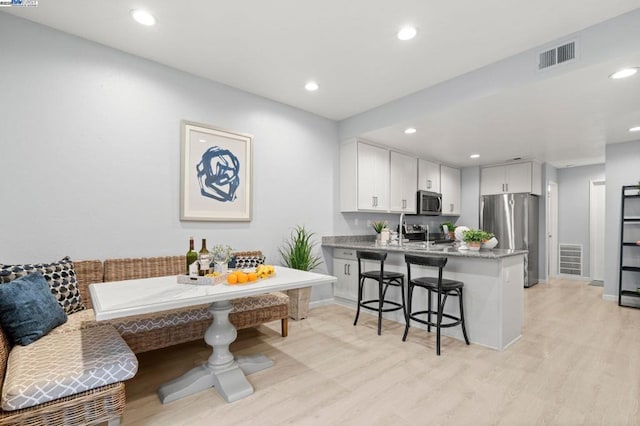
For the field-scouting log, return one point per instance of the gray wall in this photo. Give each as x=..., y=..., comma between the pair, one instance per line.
x=621, y=167
x=90, y=141
x=573, y=207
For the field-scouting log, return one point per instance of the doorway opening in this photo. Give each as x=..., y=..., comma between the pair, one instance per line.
x=552, y=230
x=596, y=231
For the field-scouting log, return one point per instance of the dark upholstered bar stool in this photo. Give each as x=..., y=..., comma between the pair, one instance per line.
x=384, y=280
x=442, y=288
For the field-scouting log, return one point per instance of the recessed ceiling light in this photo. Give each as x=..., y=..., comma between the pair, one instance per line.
x=410, y=130
x=143, y=17
x=311, y=86
x=624, y=73
x=407, y=33
x=474, y=156
x=635, y=129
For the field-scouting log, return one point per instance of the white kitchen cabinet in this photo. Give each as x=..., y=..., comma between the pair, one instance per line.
x=450, y=189
x=364, y=177
x=403, y=175
x=345, y=269
x=428, y=176
x=511, y=178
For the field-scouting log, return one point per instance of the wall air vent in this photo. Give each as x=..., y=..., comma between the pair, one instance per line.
x=557, y=55
x=570, y=259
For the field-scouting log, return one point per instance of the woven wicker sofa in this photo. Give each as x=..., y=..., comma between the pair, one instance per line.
x=141, y=333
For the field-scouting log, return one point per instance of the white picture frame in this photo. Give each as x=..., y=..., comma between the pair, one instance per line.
x=215, y=174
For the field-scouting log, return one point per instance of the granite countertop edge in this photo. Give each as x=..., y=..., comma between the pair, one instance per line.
x=358, y=242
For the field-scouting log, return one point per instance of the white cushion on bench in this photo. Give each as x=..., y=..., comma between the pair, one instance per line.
x=62, y=364
x=175, y=317
x=181, y=316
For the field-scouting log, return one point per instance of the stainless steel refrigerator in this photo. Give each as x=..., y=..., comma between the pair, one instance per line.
x=513, y=218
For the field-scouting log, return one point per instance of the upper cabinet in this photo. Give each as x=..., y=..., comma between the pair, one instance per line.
x=364, y=177
x=428, y=176
x=511, y=178
x=403, y=183
x=450, y=188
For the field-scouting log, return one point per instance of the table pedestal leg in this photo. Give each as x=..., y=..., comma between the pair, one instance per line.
x=222, y=370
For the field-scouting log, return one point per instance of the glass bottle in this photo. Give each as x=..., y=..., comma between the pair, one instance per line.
x=204, y=259
x=192, y=259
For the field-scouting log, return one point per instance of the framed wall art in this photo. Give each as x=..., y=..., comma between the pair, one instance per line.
x=215, y=168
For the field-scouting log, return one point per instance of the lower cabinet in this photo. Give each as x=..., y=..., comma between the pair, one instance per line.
x=345, y=289
x=345, y=269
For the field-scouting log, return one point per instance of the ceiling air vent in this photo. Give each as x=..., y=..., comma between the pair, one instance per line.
x=557, y=55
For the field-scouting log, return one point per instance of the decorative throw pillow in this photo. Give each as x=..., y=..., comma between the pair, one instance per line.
x=248, y=261
x=60, y=276
x=28, y=310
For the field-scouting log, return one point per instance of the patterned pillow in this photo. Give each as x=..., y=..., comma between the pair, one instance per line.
x=248, y=261
x=60, y=276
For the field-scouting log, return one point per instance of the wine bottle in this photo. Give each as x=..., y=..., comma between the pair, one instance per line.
x=192, y=259
x=204, y=259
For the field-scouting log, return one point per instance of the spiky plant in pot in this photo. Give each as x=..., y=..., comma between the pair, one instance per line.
x=297, y=253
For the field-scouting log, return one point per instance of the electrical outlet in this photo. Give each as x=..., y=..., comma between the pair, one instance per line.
x=368, y=223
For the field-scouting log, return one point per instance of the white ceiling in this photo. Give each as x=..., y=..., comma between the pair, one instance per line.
x=565, y=121
x=271, y=48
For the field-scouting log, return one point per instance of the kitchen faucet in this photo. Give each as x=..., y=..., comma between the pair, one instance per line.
x=427, y=235
x=401, y=229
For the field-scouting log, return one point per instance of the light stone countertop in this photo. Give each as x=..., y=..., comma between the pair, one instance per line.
x=365, y=242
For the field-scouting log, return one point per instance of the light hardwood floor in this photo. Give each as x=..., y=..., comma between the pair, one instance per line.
x=578, y=362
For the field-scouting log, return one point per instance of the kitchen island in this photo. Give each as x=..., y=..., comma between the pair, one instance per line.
x=493, y=285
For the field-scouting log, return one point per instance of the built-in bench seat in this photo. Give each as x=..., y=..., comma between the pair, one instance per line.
x=74, y=375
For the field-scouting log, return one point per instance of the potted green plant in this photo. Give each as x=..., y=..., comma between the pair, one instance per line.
x=451, y=229
x=475, y=237
x=379, y=225
x=297, y=253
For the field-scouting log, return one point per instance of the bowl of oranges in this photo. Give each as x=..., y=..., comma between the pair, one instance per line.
x=247, y=276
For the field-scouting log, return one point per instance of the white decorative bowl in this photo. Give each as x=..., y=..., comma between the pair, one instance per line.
x=458, y=232
x=489, y=244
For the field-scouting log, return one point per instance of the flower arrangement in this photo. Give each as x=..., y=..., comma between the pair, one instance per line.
x=378, y=226
x=221, y=253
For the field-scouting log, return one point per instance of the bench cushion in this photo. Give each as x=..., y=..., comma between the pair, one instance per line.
x=62, y=364
x=175, y=317
x=182, y=316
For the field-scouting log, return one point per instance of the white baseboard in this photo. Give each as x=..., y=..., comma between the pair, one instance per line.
x=574, y=277
x=319, y=303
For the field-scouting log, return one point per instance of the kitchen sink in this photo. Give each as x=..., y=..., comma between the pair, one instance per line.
x=422, y=245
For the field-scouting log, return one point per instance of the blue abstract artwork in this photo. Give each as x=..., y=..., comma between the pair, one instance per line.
x=218, y=174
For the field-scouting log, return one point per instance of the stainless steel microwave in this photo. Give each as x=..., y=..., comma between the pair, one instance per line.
x=429, y=203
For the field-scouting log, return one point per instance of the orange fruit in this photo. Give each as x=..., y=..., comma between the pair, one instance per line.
x=253, y=276
x=242, y=277
x=232, y=278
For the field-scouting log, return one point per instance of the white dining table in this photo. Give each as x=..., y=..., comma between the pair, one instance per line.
x=224, y=371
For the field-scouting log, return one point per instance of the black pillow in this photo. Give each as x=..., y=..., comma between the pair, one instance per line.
x=28, y=310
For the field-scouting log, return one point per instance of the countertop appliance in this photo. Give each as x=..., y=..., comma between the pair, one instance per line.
x=429, y=203
x=513, y=218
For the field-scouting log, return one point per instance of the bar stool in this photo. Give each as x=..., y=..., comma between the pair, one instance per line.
x=442, y=287
x=384, y=280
